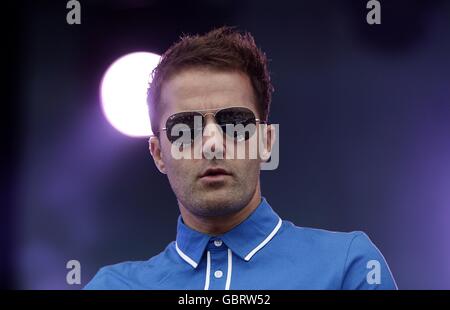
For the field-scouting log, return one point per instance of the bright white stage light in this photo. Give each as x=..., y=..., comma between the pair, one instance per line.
x=124, y=93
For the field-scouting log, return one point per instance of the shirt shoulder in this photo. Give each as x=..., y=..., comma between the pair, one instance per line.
x=318, y=241
x=350, y=259
x=134, y=274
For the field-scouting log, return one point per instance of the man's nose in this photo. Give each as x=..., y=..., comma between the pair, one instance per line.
x=213, y=141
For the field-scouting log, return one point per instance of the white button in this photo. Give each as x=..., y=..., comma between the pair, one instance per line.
x=217, y=243
x=218, y=274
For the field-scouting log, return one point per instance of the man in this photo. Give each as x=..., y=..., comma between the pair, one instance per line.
x=228, y=236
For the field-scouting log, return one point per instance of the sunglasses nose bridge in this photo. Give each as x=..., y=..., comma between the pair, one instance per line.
x=209, y=118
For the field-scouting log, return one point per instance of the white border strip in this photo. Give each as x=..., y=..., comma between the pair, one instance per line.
x=208, y=269
x=188, y=260
x=270, y=236
x=230, y=267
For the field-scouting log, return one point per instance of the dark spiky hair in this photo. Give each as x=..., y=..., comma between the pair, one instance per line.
x=224, y=49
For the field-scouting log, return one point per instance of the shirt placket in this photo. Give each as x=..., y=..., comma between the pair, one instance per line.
x=218, y=264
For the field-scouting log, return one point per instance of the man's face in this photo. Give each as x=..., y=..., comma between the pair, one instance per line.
x=203, y=89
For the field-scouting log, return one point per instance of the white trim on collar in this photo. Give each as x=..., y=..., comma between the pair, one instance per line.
x=188, y=260
x=269, y=237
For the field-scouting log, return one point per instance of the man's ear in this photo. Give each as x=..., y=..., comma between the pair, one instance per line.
x=154, y=147
x=268, y=140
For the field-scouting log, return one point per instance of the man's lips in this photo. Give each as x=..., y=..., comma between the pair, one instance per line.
x=214, y=173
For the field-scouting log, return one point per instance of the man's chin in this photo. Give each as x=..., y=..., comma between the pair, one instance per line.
x=217, y=198
x=217, y=204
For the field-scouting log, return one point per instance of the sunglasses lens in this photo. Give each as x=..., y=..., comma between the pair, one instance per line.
x=182, y=128
x=237, y=123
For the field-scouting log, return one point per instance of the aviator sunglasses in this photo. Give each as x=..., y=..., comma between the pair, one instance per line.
x=231, y=116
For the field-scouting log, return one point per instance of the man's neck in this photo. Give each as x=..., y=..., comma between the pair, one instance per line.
x=219, y=225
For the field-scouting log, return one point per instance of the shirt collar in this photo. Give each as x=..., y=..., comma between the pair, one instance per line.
x=245, y=240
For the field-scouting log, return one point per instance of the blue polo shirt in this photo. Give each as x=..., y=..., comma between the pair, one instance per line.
x=262, y=252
